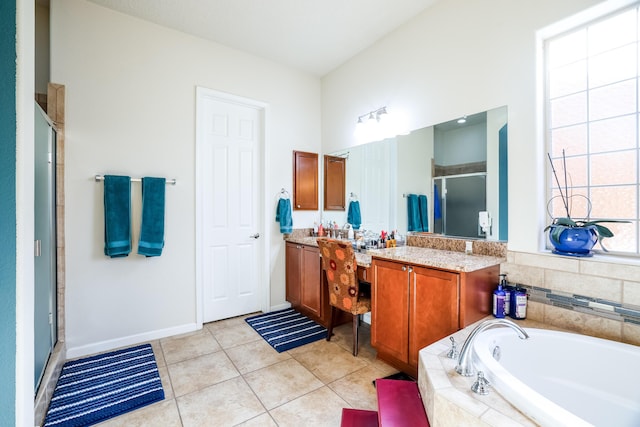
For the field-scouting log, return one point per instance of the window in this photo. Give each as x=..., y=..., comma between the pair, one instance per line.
x=592, y=120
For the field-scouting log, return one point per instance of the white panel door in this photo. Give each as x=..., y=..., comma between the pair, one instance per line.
x=231, y=136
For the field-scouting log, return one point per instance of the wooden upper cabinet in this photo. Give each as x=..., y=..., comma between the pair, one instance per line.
x=305, y=181
x=334, y=183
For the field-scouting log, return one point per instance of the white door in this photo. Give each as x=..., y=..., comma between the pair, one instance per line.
x=230, y=135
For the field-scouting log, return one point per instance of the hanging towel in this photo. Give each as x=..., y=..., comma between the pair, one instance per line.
x=353, y=214
x=283, y=216
x=152, y=226
x=117, y=216
x=413, y=213
x=424, y=213
x=437, y=213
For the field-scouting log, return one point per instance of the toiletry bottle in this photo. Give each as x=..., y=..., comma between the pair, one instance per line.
x=507, y=293
x=350, y=235
x=320, y=230
x=518, y=309
x=498, y=302
x=315, y=229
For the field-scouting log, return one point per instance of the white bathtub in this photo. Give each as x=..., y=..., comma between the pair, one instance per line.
x=563, y=379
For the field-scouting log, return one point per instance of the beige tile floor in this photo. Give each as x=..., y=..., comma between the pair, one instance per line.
x=227, y=375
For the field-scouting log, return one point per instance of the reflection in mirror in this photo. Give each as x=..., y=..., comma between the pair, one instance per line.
x=463, y=165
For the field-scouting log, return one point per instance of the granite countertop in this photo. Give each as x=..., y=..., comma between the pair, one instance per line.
x=446, y=260
x=362, y=259
x=437, y=258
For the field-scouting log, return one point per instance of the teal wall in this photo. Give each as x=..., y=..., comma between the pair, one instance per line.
x=8, y=213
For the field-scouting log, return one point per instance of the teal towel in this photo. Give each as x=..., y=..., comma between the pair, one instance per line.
x=413, y=213
x=117, y=216
x=353, y=215
x=152, y=227
x=424, y=213
x=283, y=216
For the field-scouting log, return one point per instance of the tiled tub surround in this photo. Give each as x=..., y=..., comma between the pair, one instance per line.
x=447, y=396
x=596, y=296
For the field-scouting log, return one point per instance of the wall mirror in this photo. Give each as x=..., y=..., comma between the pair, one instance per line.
x=461, y=168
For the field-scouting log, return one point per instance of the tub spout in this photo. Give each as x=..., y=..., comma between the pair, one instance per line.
x=465, y=367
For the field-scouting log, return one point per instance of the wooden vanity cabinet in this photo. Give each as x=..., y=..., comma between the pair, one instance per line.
x=390, y=309
x=305, y=181
x=334, y=183
x=304, y=288
x=415, y=306
x=433, y=308
x=306, y=284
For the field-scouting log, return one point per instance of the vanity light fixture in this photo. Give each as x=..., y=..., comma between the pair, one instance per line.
x=374, y=125
x=373, y=115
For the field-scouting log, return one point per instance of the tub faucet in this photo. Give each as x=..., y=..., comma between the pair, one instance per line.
x=465, y=367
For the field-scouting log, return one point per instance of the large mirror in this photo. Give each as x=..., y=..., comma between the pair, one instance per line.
x=449, y=179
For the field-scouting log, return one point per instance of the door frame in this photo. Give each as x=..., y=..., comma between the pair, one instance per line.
x=203, y=94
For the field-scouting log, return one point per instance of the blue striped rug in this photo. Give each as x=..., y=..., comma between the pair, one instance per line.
x=97, y=388
x=286, y=329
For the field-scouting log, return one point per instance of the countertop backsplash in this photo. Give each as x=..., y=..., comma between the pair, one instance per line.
x=480, y=247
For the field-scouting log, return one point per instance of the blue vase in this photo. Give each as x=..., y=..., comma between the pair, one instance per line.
x=576, y=241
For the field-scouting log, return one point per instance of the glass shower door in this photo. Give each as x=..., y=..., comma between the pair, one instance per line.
x=45, y=244
x=461, y=199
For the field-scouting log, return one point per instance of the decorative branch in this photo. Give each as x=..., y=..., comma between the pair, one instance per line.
x=555, y=175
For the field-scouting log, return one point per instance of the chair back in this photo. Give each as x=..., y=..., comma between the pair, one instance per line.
x=340, y=266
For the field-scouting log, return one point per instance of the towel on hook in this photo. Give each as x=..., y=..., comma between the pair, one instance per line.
x=283, y=216
x=437, y=213
x=413, y=213
x=152, y=226
x=353, y=214
x=424, y=212
x=117, y=216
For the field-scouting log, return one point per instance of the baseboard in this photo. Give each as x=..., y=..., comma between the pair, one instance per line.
x=280, y=306
x=74, y=352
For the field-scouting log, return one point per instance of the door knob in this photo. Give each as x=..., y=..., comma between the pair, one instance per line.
x=255, y=236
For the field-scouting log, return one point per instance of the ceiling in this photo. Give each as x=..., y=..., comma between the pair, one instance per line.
x=314, y=36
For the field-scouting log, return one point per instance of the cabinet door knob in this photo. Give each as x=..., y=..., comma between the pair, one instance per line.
x=404, y=268
x=298, y=206
x=410, y=269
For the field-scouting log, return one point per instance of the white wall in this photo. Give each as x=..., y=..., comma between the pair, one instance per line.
x=130, y=109
x=458, y=57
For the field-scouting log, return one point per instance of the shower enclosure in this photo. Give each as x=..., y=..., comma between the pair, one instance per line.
x=45, y=327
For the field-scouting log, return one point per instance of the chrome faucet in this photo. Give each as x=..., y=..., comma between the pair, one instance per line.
x=464, y=366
